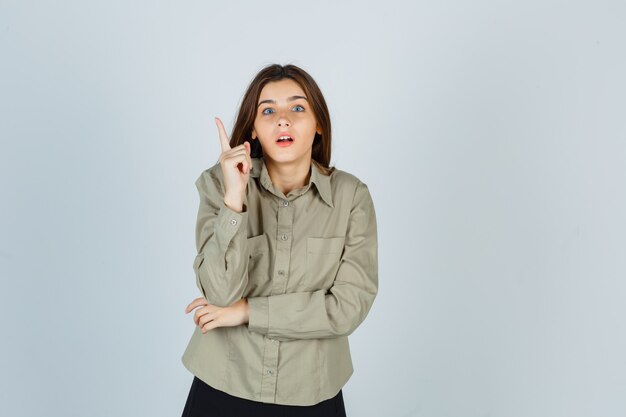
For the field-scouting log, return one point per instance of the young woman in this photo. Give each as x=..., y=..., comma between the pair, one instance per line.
x=287, y=260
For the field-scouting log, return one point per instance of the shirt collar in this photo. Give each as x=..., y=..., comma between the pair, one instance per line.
x=321, y=181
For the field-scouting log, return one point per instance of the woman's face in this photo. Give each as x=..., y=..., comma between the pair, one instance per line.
x=283, y=109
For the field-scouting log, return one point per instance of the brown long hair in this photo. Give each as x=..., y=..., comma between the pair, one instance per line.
x=242, y=131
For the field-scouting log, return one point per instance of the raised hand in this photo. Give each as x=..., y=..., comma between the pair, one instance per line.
x=236, y=164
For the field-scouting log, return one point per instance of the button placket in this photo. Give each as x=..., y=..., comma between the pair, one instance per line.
x=284, y=230
x=283, y=247
x=270, y=364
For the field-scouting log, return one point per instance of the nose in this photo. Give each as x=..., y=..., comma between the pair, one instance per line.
x=283, y=121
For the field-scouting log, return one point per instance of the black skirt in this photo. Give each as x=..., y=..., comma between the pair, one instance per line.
x=206, y=401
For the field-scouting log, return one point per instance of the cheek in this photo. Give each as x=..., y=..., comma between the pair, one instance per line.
x=312, y=122
x=312, y=127
x=262, y=127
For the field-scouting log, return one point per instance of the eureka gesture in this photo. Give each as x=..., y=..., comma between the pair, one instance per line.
x=235, y=177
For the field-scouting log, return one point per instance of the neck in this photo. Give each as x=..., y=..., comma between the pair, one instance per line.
x=288, y=176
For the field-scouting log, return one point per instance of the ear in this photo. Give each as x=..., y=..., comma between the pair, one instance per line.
x=319, y=130
x=253, y=134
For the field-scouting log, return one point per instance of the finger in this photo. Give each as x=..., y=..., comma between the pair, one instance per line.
x=238, y=150
x=236, y=159
x=200, y=319
x=196, y=317
x=205, y=318
x=237, y=147
x=234, y=153
x=209, y=309
x=248, y=147
x=195, y=303
x=247, y=165
x=224, y=142
x=210, y=326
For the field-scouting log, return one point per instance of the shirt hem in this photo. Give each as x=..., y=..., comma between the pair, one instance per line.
x=215, y=383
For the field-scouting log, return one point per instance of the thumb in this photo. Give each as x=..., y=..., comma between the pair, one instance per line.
x=247, y=145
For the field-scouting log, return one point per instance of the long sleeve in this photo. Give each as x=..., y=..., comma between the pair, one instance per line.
x=341, y=309
x=221, y=265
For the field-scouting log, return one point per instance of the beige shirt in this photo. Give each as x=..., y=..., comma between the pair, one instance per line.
x=308, y=264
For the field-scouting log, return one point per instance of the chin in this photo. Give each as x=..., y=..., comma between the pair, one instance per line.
x=286, y=156
x=282, y=158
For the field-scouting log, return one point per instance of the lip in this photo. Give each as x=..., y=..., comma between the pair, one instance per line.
x=284, y=134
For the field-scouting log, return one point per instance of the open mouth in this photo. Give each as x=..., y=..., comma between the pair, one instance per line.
x=284, y=138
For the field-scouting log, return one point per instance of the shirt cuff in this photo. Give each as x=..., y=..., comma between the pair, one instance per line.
x=230, y=221
x=258, y=318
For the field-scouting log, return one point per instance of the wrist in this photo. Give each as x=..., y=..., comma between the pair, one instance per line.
x=234, y=204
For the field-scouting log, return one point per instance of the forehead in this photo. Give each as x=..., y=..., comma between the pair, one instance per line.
x=280, y=90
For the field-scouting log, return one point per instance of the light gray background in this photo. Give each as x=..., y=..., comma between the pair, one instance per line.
x=491, y=135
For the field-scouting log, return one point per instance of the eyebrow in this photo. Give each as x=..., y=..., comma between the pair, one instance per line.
x=292, y=98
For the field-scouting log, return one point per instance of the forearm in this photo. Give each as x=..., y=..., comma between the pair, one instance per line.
x=221, y=267
x=317, y=314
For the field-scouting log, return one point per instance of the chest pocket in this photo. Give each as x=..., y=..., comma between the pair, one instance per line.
x=323, y=256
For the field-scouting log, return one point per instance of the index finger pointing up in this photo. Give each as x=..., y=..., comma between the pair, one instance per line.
x=224, y=141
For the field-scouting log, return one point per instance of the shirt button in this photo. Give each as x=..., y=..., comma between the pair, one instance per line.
x=269, y=371
x=284, y=237
x=285, y=203
x=281, y=272
x=233, y=222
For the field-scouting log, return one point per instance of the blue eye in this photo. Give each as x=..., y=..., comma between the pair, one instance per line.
x=272, y=111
